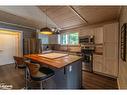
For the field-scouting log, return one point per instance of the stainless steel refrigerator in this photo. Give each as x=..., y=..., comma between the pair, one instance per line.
x=32, y=46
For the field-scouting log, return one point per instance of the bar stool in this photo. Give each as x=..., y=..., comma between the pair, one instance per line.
x=19, y=62
x=37, y=73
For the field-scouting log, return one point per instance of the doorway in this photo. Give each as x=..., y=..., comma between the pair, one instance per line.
x=10, y=45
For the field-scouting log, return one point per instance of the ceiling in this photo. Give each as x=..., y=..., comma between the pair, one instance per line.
x=62, y=17
x=66, y=17
x=30, y=16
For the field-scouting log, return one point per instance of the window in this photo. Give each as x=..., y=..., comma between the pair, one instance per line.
x=44, y=38
x=64, y=39
x=71, y=39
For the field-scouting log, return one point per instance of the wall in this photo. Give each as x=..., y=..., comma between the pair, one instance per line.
x=25, y=15
x=48, y=40
x=88, y=30
x=26, y=32
x=122, y=78
x=53, y=39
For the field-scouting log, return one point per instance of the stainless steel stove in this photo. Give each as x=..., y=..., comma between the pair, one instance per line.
x=87, y=54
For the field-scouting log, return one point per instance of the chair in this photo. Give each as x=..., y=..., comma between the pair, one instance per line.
x=19, y=62
x=37, y=73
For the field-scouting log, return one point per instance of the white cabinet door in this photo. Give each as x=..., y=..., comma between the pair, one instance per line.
x=98, y=32
x=111, y=33
x=110, y=49
x=111, y=59
x=98, y=63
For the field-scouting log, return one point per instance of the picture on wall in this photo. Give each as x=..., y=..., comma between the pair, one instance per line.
x=123, y=42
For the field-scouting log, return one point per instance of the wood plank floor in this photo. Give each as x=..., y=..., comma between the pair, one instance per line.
x=12, y=76
x=95, y=81
x=15, y=77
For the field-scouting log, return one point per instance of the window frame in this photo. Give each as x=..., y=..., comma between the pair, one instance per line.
x=67, y=39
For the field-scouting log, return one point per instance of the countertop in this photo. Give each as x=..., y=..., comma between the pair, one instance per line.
x=98, y=53
x=56, y=63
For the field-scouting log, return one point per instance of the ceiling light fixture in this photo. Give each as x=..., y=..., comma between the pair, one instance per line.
x=46, y=30
x=55, y=30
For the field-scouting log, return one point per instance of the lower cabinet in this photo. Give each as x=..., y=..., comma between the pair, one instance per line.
x=108, y=67
x=69, y=77
x=98, y=63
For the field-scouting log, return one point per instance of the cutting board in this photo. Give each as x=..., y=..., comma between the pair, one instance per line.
x=53, y=55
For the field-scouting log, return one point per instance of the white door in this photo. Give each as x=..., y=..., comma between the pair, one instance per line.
x=9, y=46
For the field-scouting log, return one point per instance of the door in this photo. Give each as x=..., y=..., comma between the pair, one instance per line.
x=9, y=47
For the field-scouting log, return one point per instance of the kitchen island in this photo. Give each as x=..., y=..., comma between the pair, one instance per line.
x=68, y=74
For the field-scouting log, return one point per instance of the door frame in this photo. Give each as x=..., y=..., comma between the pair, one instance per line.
x=20, y=52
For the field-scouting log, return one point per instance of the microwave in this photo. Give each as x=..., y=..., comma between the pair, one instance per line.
x=89, y=39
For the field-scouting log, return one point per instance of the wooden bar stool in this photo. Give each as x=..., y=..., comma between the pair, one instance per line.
x=19, y=62
x=37, y=73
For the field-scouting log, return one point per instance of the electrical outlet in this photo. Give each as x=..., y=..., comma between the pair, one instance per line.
x=70, y=68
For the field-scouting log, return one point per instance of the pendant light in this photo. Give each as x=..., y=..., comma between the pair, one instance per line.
x=46, y=30
x=55, y=30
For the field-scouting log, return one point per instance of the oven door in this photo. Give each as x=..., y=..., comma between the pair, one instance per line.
x=87, y=58
x=87, y=62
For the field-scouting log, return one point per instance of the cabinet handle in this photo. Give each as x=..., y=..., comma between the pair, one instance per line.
x=64, y=70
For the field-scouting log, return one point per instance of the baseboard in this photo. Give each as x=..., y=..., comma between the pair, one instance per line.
x=7, y=64
x=105, y=74
x=118, y=83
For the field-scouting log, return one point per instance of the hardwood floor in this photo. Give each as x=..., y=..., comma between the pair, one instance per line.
x=95, y=81
x=15, y=77
x=12, y=76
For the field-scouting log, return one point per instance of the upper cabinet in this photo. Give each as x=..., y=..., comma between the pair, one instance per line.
x=111, y=33
x=98, y=32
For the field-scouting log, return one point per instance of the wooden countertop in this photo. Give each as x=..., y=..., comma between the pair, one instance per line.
x=56, y=63
x=98, y=53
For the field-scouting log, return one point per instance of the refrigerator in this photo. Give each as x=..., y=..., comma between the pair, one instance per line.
x=32, y=46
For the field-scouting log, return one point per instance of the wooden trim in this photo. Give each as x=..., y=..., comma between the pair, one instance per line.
x=87, y=26
x=17, y=25
x=98, y=53
x=105, y=74
x=99, y=44
x=72, y=27
x=82, y=18
x=119, y=13
x=118, y=83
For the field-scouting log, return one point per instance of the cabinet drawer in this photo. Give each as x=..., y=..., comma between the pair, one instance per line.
x=97, y=58
x=98, y=63
x=97, y=67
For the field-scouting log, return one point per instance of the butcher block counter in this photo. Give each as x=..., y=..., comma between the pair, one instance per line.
x=68, y=74
x=57, y=60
